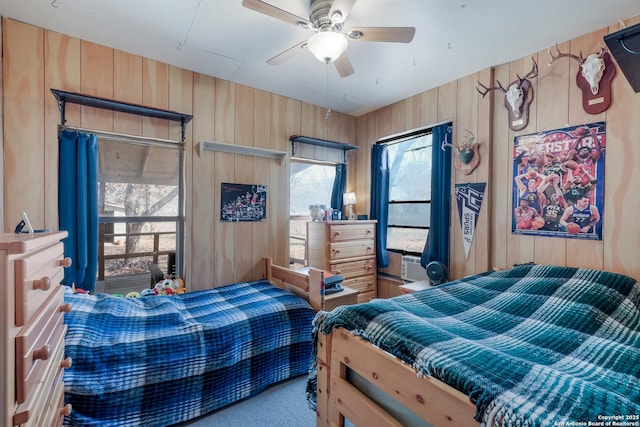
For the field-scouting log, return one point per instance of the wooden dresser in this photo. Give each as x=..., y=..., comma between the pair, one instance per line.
x=347, y=248
x=32, y=330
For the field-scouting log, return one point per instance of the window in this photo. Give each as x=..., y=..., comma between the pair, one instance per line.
x=140, y=206
x=409, y=192
x=311, y=183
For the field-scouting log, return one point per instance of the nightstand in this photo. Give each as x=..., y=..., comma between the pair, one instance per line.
x=415, y=286
x=347, y=297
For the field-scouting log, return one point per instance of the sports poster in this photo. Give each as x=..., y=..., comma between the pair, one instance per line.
x=558, y=182
x=243, y=202
x=469, y=198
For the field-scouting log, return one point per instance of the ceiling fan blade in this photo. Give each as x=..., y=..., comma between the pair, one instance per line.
x=289, y=53
x=343, y=65
x=382, y=34
x=343, y=7
x=274, y=12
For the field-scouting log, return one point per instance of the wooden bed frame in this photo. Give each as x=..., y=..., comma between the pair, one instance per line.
x=340, y=354
x=391, y=384
x=308, y=286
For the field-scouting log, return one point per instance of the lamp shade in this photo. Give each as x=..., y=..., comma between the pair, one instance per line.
x=349, y=199
x=327, y=46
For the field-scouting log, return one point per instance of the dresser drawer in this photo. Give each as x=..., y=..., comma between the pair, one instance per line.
x=54, y=408
x=353, y=269
x=36, y=277
x=48, y=410
x=366, y=296
x=362, y=283
x=352, y=231
x=39, y=344
x=351, y=249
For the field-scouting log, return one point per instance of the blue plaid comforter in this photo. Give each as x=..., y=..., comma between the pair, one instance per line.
x=160, y=360
x=530, y=346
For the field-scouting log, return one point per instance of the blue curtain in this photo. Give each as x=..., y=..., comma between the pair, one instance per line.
x=339, y=184
x=380, y=200
x=78, y=206
x=437, y=246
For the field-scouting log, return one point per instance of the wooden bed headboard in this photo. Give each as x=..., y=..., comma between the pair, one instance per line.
x=308, y=286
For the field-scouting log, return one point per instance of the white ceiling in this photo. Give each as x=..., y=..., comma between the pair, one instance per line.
x=222, y=38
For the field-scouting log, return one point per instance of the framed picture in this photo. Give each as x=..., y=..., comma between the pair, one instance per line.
x=558, y=182
x=243, y=202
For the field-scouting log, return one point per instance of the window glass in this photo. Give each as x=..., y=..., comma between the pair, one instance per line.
x=410, y=214
x=410, y=170
x=140, y=212
x=311, y=184
x=406, y=240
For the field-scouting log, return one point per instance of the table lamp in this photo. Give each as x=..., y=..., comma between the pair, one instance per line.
x=349, y=199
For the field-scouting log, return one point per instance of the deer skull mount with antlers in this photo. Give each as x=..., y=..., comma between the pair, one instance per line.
x=593, y=78
x=517, y=98
x=468, y=155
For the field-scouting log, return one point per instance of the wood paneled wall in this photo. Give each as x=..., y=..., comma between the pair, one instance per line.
x=557, y=103
x=36, y=60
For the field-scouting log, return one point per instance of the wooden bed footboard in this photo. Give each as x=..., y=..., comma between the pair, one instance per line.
x=386, y=388
x=308, y=286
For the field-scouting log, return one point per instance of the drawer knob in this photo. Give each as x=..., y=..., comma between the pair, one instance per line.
x=43, y=353
x=66, y=363
x=65, y=411
x=65, y=308
x=66, y=262
x=336, y=251
x=42, y=284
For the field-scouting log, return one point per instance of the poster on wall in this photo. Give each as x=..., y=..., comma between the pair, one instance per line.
x=558, y=182
x=469, y=198
x=243, y=202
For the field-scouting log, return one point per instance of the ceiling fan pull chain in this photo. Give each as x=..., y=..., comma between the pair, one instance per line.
x=328, y=114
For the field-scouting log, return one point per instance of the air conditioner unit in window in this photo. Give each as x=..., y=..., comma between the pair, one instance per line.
x=411, y=270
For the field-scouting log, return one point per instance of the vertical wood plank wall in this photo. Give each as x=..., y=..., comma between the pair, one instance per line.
x=556, y=104
x=36, y=60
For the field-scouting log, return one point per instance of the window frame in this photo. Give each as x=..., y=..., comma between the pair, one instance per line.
x=295, y=261
x=397, y=139
x=310, y=162
x=178, y=219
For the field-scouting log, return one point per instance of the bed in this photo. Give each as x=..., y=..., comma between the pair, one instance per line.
x=533, y=345
x=161, y=360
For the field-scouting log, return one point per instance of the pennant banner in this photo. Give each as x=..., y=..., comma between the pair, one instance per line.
x=469, y=197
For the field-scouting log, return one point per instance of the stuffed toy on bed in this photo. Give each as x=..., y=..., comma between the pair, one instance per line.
x=169, y=287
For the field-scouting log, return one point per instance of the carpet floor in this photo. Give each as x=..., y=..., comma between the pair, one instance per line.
x=281, y=405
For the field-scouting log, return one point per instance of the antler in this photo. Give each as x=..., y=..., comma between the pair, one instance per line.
x=531, y=74
x=489, y=89
x=464, y=146
x=470, y=139
x=446, y=143
x=602, y=51
x=552, y=57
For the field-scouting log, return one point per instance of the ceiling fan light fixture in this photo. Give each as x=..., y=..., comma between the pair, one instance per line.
x=327, y=46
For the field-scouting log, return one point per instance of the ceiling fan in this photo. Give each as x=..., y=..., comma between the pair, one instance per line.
x=328, y=43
